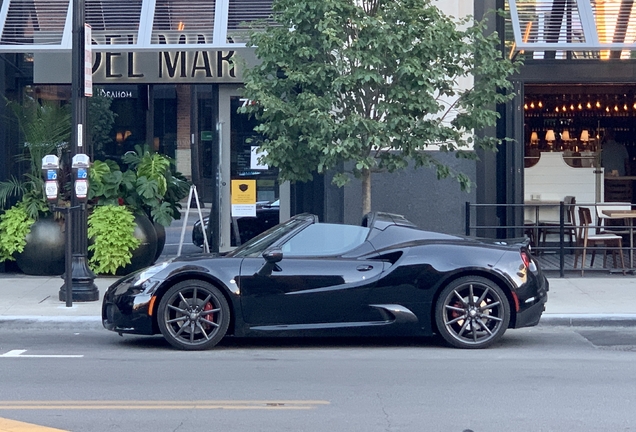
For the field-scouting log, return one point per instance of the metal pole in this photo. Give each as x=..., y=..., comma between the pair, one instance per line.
x=561, y=239
x=68, y=256
x=467, y=216
x=83, y=286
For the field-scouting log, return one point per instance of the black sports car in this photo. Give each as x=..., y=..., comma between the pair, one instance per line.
x=304, y=278
x=267, y=215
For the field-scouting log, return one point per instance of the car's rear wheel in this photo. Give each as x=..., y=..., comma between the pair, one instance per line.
x=472, y=312
x=193, y=315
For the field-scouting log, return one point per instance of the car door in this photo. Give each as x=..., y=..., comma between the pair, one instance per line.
x=313, y=285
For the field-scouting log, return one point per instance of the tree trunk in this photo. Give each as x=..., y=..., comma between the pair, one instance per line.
x=366, y=191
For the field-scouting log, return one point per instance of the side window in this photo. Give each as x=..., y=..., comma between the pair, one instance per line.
x=325, y=240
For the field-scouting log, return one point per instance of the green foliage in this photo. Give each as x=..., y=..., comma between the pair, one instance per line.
x=100, y=121
x=149, y=185
x=111, y=228
x=46, y=129
x=15, y=224
x=105, y=182
x=374, y=83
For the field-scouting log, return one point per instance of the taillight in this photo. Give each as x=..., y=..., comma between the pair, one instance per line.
x=525, y=257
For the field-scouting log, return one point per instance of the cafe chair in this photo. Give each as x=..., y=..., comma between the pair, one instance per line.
x=554, y=227
x=605, y=240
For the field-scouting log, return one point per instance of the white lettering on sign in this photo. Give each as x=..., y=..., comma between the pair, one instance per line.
x=115, y=94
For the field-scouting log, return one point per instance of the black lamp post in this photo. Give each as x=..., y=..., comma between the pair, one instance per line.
x=83, y=279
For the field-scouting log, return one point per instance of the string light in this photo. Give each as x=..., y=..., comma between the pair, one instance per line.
x=540, y=104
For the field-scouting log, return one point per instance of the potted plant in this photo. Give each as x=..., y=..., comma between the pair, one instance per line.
x=150, y=188
x=46, y=129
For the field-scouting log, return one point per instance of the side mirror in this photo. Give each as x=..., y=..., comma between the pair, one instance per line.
x=273, y=256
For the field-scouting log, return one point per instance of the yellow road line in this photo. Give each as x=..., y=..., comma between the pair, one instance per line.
x=7, y=425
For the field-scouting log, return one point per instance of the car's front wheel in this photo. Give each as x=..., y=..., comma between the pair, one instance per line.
x=193, y=315
x=472, y=312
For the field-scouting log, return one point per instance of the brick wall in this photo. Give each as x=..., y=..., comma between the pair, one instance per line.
x=183, y=154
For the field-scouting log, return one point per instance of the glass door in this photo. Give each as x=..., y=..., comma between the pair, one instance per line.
x=239, y=161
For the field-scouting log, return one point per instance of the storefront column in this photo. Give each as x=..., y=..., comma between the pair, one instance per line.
x=183, y=153
x=491, y=169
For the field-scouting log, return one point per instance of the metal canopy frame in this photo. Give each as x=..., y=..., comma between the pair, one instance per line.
x=28, y=26
x=573, y=25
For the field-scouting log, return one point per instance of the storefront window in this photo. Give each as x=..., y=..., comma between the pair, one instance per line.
x=243, y=143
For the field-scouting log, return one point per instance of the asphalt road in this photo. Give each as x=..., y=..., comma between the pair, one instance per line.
x=538, y=379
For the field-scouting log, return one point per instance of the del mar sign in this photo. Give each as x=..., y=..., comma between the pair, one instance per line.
x=149, y=67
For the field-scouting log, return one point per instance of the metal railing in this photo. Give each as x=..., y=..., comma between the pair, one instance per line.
x=557, y=245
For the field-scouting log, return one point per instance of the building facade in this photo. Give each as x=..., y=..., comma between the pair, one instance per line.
x=166, y=66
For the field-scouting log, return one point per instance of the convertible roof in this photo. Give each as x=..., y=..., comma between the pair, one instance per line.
x=131, y=25
x=380, y=220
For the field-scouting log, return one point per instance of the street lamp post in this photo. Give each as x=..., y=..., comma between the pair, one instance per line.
x=83, y=279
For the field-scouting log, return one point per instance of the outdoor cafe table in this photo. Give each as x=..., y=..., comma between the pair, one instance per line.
x=628, y=216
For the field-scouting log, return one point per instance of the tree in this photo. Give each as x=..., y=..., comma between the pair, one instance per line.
x=372, y=84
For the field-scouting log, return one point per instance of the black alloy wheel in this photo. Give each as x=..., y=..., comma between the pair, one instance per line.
x=472, y=312
x=193, y=315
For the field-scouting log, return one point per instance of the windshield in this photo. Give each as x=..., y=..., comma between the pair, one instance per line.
x=258, y=244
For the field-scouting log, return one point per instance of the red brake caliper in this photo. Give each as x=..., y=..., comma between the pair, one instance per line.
x=455, y=314
x=210, y=317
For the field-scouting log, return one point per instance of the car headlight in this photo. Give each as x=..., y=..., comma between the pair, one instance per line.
x=150, y=272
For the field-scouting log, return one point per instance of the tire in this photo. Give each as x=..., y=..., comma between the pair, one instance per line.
x=193, y=315
x=472, y=312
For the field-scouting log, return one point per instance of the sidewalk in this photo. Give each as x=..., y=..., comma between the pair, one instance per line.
x=592, y=300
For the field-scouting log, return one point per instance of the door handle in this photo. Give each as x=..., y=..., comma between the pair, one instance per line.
x=364, y=267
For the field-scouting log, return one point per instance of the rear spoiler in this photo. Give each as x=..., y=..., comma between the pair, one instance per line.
x=522, y=242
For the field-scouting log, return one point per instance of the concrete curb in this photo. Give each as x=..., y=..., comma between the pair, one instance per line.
x=589, y=320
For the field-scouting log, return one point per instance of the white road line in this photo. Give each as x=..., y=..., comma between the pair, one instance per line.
x=19, y=353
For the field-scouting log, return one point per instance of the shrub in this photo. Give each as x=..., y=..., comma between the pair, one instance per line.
x=111, y=227
x=15, y=224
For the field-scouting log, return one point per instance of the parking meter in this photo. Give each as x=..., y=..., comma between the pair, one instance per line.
x=51, y=167
x=80, y=165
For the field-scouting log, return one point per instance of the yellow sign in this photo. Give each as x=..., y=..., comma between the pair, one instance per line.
x=244, y=192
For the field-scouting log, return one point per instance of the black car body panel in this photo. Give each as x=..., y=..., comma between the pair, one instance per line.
x=386, y=281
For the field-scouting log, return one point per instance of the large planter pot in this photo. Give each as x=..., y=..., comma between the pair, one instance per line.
x=145, y=253
x=161, y=239
x=43, y=254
